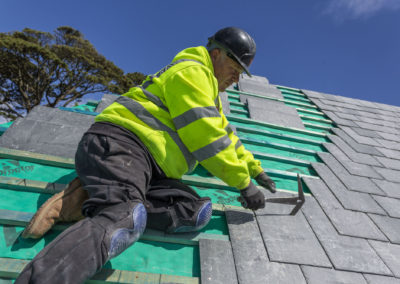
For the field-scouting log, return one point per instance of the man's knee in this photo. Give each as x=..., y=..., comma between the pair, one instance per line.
x=121, y=234
x=198, y=221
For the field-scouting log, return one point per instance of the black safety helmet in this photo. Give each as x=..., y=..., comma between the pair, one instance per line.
x=238, y=45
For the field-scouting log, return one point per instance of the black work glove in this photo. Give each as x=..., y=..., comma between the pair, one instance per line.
x=265, y=181
x=252, y=198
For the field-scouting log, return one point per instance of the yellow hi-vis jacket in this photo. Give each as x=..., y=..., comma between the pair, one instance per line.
x=177, y=114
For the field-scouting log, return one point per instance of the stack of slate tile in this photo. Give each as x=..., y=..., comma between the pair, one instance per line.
x=268, y=110
x=48, y=131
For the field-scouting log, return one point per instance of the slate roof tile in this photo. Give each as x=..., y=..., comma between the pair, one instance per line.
x=346, y=222
x=289, y=239
x=279, y=114
x=393, y=154
x=254, y=267
x=389, y=136
x=394, y=145
x=389, y=254
x=389, y=174
x=350, y=200
x=106, y=100
x=217, y=265
x=317, y=275
x=338, y=120
x=361, y=148
x=375, y=127
x=389, y=163
x=355, y=224
x=359, y=138
x=378, y=279
x=366, y=132
x=351, y=153
x=352, y=181
x=391, y=205
x=345, y=253
x=391, y=189
x=360, y=169
x=259, y=88
x=389, y=226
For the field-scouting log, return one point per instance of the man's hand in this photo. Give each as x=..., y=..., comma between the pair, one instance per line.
x=252, y=198
x=265, y=181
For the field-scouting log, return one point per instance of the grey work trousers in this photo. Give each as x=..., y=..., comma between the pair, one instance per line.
x=117, y=175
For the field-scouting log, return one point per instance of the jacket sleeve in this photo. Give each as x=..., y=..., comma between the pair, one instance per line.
x=253, y=165
x=189, y=95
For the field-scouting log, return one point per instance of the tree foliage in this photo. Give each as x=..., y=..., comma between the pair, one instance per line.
x=54, y=69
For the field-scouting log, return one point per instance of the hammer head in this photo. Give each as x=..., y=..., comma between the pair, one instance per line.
x=298, y=200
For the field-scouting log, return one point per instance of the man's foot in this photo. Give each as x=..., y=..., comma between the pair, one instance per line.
x=202, y=219
x=64, y=206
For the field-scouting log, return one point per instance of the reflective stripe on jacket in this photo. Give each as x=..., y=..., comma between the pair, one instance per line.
x=174, y=114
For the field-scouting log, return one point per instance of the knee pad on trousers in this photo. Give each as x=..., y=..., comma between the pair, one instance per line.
x=202, y=219
x=122, y=238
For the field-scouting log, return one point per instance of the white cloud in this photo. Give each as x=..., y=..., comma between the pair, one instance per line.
x=354, y=9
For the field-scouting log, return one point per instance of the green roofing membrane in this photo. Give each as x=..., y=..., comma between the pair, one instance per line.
x=143, y=256
x=283, y=152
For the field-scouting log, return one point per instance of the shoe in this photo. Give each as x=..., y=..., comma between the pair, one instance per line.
x=203, y=217
x=64, y=206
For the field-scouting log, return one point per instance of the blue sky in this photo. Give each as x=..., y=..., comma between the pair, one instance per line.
x=345, y=47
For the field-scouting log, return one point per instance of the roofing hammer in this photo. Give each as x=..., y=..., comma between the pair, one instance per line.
x=298, y=200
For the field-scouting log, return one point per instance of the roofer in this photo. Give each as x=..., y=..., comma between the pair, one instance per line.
x=131, y=159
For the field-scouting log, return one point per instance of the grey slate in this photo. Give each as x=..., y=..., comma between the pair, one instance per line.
x=388, y=174
x=375, y=127
x=389, y=226
x=389, y=163
x=361, y=148
x=225, y=103
x=314, y=94
x=260, y=79
x=259, y=88
x=366, y=132
x=391, y=189
x=274, y=112
x=216, y=262
x=352, y=182
x=389, y=153
x=355, y=224
x=323, y=106
x=349, y=199
x=360, y=169
x=106, y=100
x=388, y=136
x=390, y=255
x=289, y=239
x=43, y=137
x=335, y=151
x=251, y=259
x=345, y=253
x=246, y=240
x=391, y=205
x=378, y=279
x=338, y=120
x=317, y=275
x=352, y=154
x=321, y=192
x=359, y=138
x=393, y=145
x=60, y=117
x=346, y=222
